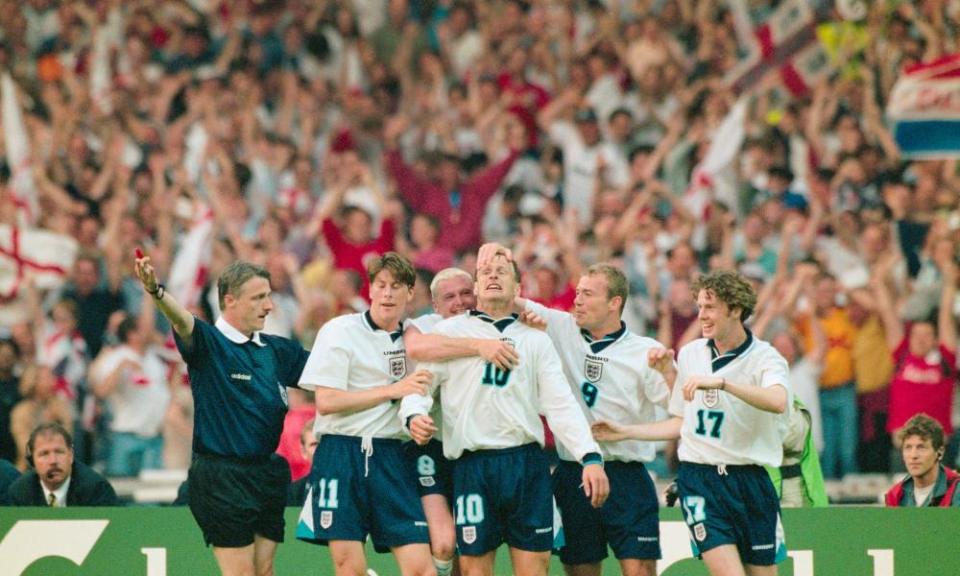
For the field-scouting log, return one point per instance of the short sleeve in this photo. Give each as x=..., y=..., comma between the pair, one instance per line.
x=559, y=323
x=328, y=364
x=198, y=347
x=677, y=403
x=293, y=359
x=774, y=371
x=655, y=387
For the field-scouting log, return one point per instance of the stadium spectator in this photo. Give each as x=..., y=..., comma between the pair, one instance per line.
x=134, y=380
x=928, y=481
x=8, y=475
x=297, y=491
x=40, y=405
x=9, y=394
x=56, y=478
x=292, y=442
x=924, y=355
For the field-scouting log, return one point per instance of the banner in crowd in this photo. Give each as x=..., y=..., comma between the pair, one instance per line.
x=43, y=256
x=924, y=109
x=784, y=41
x=21, y=187
x=846, y=541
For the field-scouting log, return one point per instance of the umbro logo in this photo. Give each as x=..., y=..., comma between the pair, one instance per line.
x=238, y=376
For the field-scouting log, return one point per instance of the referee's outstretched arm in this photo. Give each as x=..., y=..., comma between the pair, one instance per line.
x=179, y=317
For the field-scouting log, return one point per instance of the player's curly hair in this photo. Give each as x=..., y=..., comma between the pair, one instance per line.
x=924, y=427
x=729, y=287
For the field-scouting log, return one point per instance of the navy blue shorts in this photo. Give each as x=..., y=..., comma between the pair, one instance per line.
x=503, y=496
x=235, y=499
x=434, y=472
x=629, y=520
x=351, y=495
x=732, y=505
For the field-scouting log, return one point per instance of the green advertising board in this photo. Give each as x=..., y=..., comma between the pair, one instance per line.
x=166, y=541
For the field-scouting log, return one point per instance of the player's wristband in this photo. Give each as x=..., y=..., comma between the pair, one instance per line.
x=592, y=458
x=406, y=423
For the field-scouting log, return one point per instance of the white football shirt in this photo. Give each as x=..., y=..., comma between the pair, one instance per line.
x=139, y=402
x=611, y=378
x=719, y=428
x=352, y=354
x=426, y=322
x=487, y=408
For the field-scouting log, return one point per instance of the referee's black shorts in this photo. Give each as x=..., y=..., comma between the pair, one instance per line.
x=234, y=499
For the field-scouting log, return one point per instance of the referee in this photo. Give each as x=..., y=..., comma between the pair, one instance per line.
x=238, y=376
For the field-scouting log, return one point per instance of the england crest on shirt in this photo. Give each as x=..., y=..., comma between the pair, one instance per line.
x=711, y=397
x=398, y=366
x=592, y=370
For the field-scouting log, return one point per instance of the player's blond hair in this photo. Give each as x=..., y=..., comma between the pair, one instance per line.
x=447, y=274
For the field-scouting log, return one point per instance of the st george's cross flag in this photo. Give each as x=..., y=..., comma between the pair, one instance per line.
x=21, y=187
x=785, y=41
x=45, y=256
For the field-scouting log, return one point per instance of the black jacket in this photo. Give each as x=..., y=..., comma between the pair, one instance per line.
x=8, y=475
x=87, y=488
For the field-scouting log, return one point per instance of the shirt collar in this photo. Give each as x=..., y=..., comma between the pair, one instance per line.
x=500, y=324
x=60, y=493
x=597, y=345
x=394, y=336
x=235, y=335
x=719, y=360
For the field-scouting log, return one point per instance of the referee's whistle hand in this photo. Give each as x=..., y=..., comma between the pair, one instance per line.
x=416, y=383
x=595, y=484
x=422, y=429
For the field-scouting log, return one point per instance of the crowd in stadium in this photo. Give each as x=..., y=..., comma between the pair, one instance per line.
x=306, y=135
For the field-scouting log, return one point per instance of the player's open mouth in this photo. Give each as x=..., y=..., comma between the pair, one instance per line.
x=494, y=287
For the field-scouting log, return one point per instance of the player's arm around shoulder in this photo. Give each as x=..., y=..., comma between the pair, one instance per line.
x=441, y=345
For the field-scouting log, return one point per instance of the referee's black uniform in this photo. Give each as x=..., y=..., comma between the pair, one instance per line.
x=237, y=484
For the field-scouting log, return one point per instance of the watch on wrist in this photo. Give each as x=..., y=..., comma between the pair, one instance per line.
x=159, y=292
